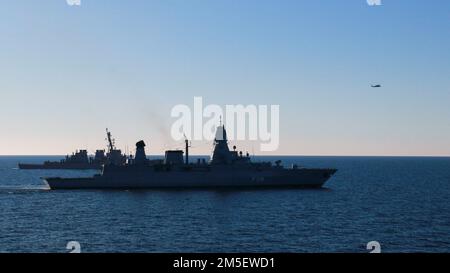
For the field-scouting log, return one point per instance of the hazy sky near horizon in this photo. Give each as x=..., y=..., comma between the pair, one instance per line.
x=69, y=72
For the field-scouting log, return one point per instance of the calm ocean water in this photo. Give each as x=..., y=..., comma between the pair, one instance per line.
x=403, y=203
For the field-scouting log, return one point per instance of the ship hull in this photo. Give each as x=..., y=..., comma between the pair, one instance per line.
x=301, y=178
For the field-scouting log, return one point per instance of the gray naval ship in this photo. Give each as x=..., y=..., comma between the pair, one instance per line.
x=77, y=161
x=80, y=160
x=226, y=169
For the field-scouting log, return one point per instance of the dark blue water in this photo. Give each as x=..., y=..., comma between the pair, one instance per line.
x=403, y=203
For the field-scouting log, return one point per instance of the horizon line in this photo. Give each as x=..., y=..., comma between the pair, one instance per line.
x=262, y=155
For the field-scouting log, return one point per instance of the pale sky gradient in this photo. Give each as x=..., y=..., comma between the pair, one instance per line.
x=67, y=73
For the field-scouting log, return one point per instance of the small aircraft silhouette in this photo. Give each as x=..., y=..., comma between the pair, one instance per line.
x=376, y=86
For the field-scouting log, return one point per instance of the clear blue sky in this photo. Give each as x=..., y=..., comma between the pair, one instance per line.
x=69, y=72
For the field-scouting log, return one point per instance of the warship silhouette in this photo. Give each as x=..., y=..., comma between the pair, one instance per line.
x=77, y=161
x=226, y=169
x=81, y=161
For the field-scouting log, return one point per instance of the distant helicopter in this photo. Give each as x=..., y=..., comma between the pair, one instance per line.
x=376, y=86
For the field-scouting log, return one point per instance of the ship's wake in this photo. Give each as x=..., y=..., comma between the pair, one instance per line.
x=22, y=189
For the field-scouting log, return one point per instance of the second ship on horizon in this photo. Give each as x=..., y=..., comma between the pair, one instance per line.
x=80, y=160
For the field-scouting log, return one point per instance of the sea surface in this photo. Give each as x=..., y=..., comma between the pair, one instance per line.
x=402, y=203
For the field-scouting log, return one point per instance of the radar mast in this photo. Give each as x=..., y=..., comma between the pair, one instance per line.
x=111, y=141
